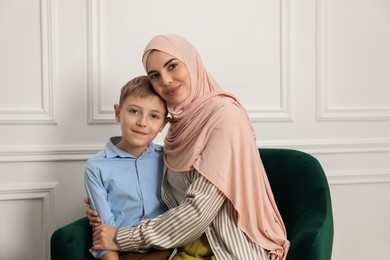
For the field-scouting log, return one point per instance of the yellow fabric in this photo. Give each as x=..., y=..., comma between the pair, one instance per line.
x=199, y=249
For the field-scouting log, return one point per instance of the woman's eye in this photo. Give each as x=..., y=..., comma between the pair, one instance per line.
x=153, y=76
x=172, y=66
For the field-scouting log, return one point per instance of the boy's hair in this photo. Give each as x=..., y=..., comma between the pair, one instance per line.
x=140, y=87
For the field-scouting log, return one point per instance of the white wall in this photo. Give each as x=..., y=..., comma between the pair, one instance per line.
x=314, y=76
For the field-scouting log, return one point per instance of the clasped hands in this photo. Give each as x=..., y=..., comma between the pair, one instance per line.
x=104, y=236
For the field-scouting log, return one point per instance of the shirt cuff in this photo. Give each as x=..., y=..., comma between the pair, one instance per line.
x=97, y=253
x=129, y=239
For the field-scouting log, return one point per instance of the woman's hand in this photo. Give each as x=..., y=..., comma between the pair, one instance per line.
x=104, y=238
x=92, y=215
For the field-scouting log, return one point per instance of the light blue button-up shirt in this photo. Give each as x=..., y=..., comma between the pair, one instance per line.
x=124, y=189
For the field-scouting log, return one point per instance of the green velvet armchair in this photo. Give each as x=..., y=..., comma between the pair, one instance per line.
x=301, y=192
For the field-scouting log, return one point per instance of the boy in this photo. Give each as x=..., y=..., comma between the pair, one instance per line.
x=123, y=181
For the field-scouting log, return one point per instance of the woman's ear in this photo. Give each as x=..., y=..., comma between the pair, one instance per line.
x=117, y=112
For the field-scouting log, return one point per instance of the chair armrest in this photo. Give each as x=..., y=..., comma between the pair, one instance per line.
x=72, y=241
x=311, y=234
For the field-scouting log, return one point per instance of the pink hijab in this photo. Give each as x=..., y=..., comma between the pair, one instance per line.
x=211, y=133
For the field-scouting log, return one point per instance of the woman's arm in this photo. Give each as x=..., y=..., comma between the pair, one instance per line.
x=176, y=227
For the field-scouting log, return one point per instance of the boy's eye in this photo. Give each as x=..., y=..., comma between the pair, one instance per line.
x=134, y=111
x=155, y=116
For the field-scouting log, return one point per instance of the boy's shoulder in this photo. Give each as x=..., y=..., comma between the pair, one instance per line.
x=157, y=147
x=98, y=156
x=107, y=150
x=154, y=149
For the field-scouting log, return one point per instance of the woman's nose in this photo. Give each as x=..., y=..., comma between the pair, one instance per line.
x=166, y=78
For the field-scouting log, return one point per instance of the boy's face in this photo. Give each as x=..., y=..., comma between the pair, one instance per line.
x=141, y=119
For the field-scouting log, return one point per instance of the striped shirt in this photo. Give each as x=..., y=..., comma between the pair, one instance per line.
x=204, y=209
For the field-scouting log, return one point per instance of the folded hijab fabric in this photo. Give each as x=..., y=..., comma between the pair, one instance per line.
x=211, y=132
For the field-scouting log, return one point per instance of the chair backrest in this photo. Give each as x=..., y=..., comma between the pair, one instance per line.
x=302, y=195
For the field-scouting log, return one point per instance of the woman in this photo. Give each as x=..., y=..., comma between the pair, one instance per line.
x=221, y=204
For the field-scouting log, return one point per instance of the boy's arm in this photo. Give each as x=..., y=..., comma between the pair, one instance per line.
x=98, y=195
x=98, y=200
x=111, y=255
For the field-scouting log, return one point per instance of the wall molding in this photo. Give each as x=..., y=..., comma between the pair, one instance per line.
x=323, y=111
x=47, y=113
x=358, y=177
x=315, y=148
x=282, y=113
x=97, y=115
x=40, y=153
x=81, y=152
x=43, y=191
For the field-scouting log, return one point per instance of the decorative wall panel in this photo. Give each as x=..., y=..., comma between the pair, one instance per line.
x=27, y=216
x=272, y=105
x=28, y=69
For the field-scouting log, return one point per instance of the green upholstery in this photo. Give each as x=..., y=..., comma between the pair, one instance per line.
x=72, y=242
x=301, y=192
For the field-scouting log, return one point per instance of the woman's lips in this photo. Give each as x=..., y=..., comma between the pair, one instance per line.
x=173, y=91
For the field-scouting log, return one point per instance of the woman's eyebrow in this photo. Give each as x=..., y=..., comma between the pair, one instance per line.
x=166, y=63
x=151, y=71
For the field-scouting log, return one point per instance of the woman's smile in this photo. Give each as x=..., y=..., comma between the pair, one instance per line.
x=173, y=91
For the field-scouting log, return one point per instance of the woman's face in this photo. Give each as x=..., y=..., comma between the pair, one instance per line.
x=169, y=76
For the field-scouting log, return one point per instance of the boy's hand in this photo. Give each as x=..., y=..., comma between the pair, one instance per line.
x=92, y=215
x=104, y=238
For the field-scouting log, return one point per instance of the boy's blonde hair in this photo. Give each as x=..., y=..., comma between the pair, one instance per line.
x=140, y=87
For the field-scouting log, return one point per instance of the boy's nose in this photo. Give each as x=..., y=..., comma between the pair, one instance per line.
x=141, y=121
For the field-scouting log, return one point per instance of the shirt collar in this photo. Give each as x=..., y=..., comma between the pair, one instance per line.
x=112, y=151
